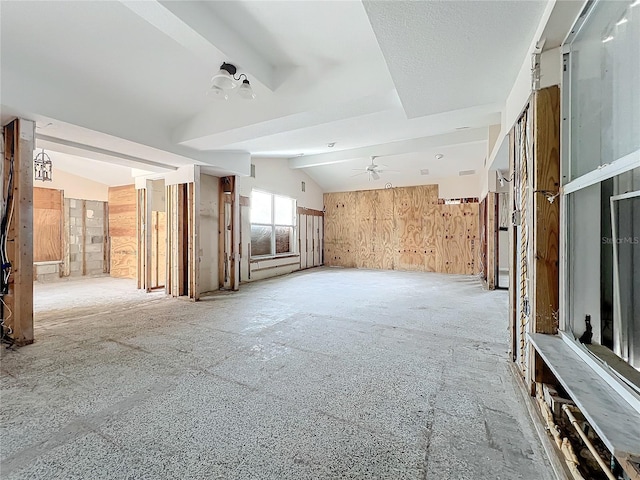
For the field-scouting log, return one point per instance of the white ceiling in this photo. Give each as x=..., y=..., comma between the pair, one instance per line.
x=129, y=78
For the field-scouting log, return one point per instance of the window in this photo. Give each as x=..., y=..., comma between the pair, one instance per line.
x=601, y=203
x=273, y=224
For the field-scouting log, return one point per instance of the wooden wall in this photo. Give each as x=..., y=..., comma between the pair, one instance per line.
x=47, y=224
x=122, y=231
x=400, y=229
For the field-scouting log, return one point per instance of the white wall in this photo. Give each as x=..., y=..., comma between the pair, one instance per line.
x=459, y=187
x=75, y=186
x=273, y=175
x=209, y=214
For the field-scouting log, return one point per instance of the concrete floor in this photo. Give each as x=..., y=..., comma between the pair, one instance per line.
x=323, y=374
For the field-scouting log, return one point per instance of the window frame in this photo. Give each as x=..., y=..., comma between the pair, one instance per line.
x=293, y=250
x=571, y=185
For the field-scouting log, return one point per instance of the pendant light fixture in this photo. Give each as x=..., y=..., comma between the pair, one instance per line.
x=225, y=82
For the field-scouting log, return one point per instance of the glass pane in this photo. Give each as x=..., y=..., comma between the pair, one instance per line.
x=605, y=99
x=284, y=211
x=284, y=239
x=260, y=240
x=591, y=265
x=260, y=207
x=627, y=244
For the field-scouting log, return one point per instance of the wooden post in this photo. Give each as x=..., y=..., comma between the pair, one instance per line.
x=148, y=204
x=106, y=257
x=546, y=184
x=235, y=234
x=546, y=224
x=18, y=313
x=221, y=235
x=83, y=242
x=491, y=232
x=513, y=278
x=196, y=234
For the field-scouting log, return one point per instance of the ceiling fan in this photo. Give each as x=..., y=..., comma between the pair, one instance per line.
x=373, y=170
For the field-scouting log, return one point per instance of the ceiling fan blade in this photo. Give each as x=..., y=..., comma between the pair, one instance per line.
x=357, y=174
x=375, y=175
x=387, y=171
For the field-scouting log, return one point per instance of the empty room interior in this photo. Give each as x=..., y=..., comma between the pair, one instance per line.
x=312, y=239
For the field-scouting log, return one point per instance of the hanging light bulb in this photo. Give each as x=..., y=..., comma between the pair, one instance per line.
x=217, y=93
x=245, y=91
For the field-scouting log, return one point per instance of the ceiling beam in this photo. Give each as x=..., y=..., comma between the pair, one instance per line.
x=392, y=148
x=100, y=154
x=194, y=26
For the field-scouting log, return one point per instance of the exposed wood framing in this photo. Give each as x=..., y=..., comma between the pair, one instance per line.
x=245, y=201
x=222, y=235
x=18, y=312
x=546, y=183
x=310, y=211
x=491, y=235
x=106, y=247
x=546, y=221
x=83, y=244
x=235, y=235
x=513, y=277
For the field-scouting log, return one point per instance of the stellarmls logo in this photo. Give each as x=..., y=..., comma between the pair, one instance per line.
x=621, y=240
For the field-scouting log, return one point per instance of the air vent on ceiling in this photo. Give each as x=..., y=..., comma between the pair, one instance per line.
x=462, y=173
x=424, y=171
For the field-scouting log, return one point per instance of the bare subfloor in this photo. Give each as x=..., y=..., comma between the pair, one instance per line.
x=324, y=374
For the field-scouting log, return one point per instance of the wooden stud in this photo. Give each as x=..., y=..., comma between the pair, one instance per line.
x=235, y=234
x=19, y=145
x=196, y=234
x=83, y=243
x=222, y=235
x=105, y=238
x=546, y=239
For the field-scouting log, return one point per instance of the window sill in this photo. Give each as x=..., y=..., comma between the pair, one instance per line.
x=272, y=257
x=608, y=412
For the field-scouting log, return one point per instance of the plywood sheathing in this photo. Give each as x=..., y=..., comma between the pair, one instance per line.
x=122, y=231
x=400, y=228
x=47, y=224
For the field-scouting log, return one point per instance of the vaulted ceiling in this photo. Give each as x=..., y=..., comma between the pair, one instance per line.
x=403, y=79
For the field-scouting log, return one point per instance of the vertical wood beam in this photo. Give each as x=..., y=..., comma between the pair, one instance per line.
x=235, y=234
x=491, y=229
x=221, y=235
x=148, y=203
x=83, y=242
x=19, y=144
x=196, y=233
x=546, y=226
x=106, y=254
x=513, y=277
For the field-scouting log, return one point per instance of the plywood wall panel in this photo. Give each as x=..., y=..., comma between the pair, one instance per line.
x=400, y=228
x=47, y=224
x=122, y=231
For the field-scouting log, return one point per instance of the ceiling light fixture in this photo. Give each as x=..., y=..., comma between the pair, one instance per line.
x=225, y=82
x=635, y=3
x=439, y=156
x=42, y=167
x=607, y=39
x=331, y=145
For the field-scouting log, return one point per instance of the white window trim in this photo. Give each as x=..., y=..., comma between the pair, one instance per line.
x=273, y=225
